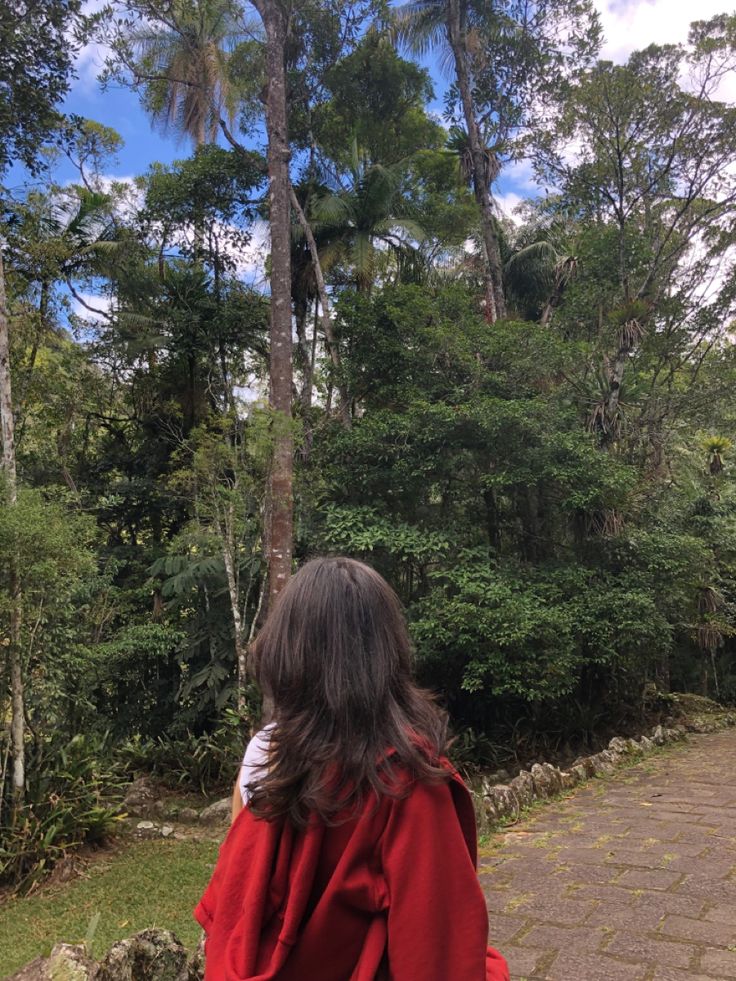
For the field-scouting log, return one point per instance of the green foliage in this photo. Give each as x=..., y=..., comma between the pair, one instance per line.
x=73, y=798
x=206, y=762
x=36, y=70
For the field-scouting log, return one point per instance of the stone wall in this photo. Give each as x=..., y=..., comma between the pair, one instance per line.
x=497, y=802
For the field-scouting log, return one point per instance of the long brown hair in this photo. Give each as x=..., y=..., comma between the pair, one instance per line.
x=335, y=660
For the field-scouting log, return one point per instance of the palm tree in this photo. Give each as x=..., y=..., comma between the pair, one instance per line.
x=360, y=221
x=183, y=66
x=451, y=25
x=540, y=268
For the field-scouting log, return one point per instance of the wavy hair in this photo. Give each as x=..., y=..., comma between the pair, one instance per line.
x=335, y=660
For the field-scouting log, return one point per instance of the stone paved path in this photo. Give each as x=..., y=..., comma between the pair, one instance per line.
x=632, y=878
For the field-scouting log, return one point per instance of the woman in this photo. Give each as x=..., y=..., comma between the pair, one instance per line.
x=354, y=856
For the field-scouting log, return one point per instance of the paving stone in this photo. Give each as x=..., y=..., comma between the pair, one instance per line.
x=720, y=914
x=522, y=961
x=673, y=974
x=583, y=966
x=719, y=962
x=655, y=952
x=713, y=934
x=503, y=927
x=648, y=879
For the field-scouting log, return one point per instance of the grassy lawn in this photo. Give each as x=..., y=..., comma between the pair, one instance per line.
x=146, y=884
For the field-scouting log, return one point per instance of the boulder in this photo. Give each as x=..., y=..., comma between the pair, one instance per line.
x=142, y=798
x=152, y=955
x=646, y=744
x=67, y=962
x=547, y=780
x=587, y=765
x=569, y=779
x=658, y=736
x=147, y=829
x=581, y=774
x=490, y=814
x=619, y=745
x=188, y=815
x=505, y=801
x=217, y=813
x=604, y=765
x=523, y=786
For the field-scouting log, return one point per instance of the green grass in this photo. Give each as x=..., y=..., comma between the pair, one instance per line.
x=147, y=884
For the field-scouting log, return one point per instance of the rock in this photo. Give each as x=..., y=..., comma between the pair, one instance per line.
x=523, y=786
x=196, y=967
x=547, y=780
x=217, y=813
x=146, y=829
x=188, y=815
x=504, y=800
x=658, y=736
x=646, y=744
x=490, y=814
x=153, y=955
x=586, y=762
x=569, y=779
x=603, y=763
x=167, y=831
x=634, y=746
x=580, y=772
x=67, y=962
x=499, y=776
x=141, y=798
x=619, y=745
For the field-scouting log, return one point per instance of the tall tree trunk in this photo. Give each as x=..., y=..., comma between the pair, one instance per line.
x=7, y=425
x=324, y=302
x=280, y=486
x=456, y=33
x=230, y=558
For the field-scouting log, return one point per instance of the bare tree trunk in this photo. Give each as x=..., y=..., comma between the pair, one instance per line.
x=495, y=300
x=324, y=302
x=230, y=558
x=280, y=489
x=7, y=425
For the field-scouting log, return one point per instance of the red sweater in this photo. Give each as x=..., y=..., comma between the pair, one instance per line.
x=391, y=895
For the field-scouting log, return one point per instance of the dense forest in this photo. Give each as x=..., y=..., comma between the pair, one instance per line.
x=522, y=418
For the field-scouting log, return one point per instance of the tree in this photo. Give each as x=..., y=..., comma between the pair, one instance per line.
x=658, y=187
x=427, y=23
x=177, y=56
x=30, y=89
x=509, y=56
x=39, y=40
x=370, y=209
x=275, y=15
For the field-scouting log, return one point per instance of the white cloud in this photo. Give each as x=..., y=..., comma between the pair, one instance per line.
x=91, y=57
x=520, y=173
x=508, y=203
x=630, y=25
x=250, y=263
